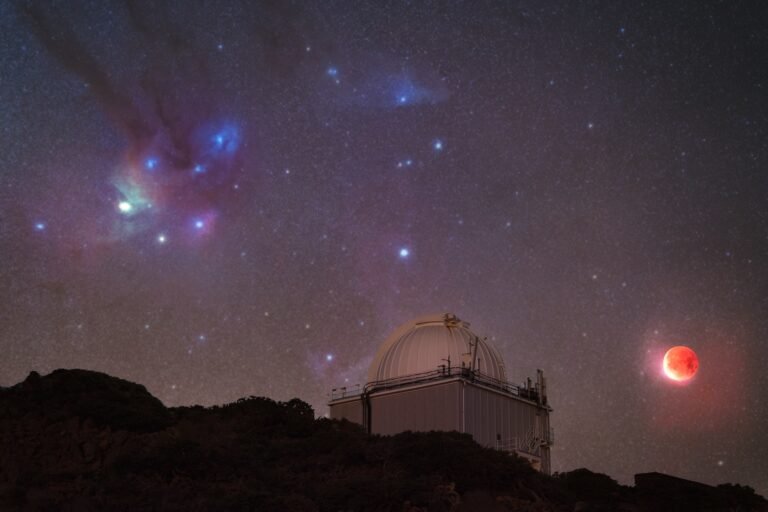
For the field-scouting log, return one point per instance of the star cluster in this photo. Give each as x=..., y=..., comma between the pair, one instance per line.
x=232, y=199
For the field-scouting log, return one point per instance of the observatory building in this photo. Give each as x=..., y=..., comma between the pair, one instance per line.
x=433, y=373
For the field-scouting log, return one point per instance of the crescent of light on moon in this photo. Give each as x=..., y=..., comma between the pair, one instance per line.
x=680, y=363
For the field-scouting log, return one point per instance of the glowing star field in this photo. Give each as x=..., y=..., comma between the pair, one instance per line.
x=219, y=200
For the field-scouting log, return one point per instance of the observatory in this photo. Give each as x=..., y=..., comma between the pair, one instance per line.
x=433, y=373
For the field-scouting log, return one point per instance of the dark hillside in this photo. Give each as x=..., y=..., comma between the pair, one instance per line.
x=80, y=440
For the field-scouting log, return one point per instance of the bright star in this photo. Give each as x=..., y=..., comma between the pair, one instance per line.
x=161, y=238
x=329, y=357
x=40, y=226
x=199, y=168
x=404, y=253
x=150, y=163
x=124, y=206
x=222, y=142
x=199, y=224
x=332, y=71
x=438, y=145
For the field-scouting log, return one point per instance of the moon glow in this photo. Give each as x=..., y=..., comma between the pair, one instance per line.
x=680, y=363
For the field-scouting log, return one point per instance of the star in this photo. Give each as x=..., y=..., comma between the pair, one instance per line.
x=246, y=189
x=333, y=72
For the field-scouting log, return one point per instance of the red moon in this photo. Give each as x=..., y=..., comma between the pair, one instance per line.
x=680, y=363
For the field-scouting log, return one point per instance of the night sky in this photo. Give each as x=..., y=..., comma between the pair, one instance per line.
x=219, y=200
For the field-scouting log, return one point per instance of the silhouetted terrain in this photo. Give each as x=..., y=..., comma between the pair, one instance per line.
x=81, y=440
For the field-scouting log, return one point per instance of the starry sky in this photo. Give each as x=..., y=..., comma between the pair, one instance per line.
x=221, y=199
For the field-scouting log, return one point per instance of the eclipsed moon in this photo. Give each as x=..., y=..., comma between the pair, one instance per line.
x=680, y=363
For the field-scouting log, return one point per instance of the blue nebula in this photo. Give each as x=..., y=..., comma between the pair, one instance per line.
x=199, y=168
x=150, y=163
x=405, y=92
x=132, y=198
x=392, y=86
x=222, y=142
x=333, y=73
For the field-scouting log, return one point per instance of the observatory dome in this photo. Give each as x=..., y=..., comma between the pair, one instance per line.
x=423, y=344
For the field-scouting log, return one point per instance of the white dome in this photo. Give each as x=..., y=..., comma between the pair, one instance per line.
x=423, y=344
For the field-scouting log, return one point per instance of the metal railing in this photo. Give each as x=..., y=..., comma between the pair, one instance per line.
x=441, y=373
x=530, y=444
x=339, y=393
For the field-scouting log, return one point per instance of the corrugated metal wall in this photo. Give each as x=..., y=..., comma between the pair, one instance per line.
x=351, y=410
x=422, y=409
x=489, y=414
x=492, y=418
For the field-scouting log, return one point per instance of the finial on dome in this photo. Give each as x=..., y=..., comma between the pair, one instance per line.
x=451, y=320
